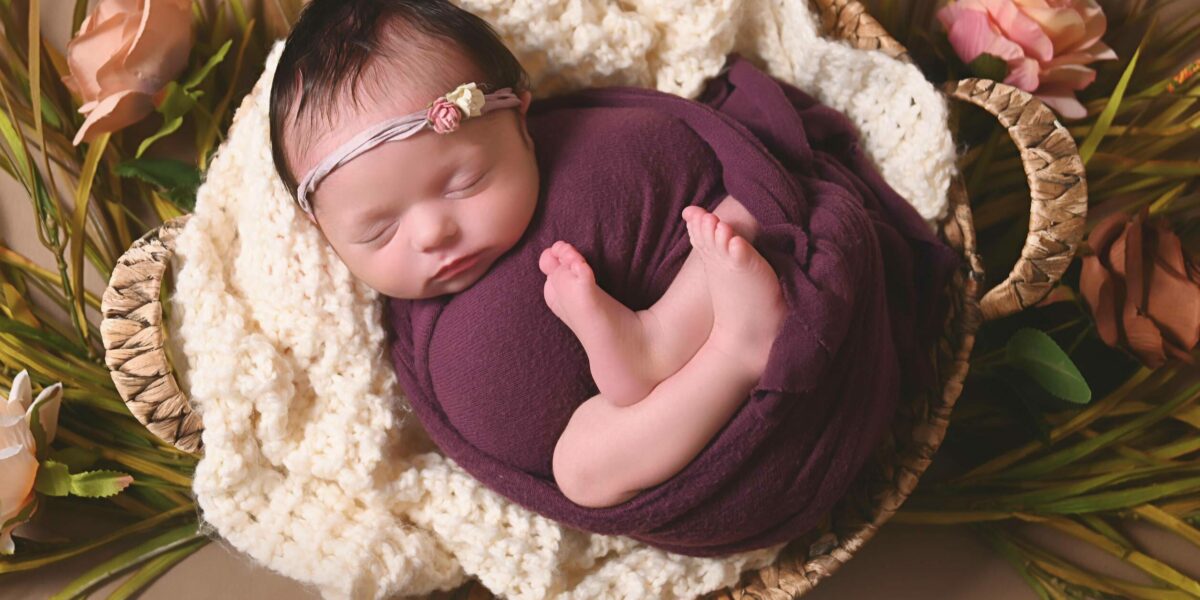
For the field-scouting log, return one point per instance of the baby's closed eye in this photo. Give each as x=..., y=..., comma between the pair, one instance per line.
x=376, y=233
x=468, y=182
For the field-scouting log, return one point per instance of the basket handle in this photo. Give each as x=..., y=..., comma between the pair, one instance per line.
x=1058, y=191
x=134, y=334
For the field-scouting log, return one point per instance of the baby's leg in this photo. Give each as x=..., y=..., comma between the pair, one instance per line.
x=631, y=352
x=608, y=452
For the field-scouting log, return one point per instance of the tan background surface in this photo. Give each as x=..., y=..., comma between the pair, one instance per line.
x=902, y=562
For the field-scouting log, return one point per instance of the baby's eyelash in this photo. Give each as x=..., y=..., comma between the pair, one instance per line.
x=473, y=182
x=376, y=236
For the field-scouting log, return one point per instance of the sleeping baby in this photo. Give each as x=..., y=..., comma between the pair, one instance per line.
x=687, y=321
x=429, y=216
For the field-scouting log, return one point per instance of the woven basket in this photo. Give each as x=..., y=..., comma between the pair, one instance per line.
x=133, y=334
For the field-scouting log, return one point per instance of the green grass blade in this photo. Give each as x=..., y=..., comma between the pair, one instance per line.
x=29, y=563
x=208, y=135
x=103, y=572
x=151, y=571
x=45, y=337
x=1146, y=563
x=83, y=195
x=1121, y=499
x=1099, y=525
x=1081, y=420
x=1088, y=147
x=14, y=141
x=1070, y=454
x=1169, y=522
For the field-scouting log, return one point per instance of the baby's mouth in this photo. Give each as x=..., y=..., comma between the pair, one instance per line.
x=457, y=266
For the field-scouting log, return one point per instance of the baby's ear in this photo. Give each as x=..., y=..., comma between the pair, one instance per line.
x=526, y=97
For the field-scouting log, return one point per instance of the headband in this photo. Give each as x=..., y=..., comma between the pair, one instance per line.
x=442, y=115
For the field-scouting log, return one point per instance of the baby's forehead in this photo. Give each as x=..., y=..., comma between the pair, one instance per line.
x=349, y=119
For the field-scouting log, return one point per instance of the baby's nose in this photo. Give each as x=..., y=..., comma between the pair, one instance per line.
x=437, y=231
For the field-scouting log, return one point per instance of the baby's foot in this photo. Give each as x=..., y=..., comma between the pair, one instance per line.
x=613, y=336
x=748, y=305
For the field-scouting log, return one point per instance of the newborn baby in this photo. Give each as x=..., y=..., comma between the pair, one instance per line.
x=422, y=205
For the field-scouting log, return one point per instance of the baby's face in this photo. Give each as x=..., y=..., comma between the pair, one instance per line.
x=401, y=211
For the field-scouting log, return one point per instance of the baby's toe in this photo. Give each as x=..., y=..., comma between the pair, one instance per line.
x=708, y=229
x=582, y=270
x=568, y=254
x=548, y=262
x=722, y=233
x=740, y=250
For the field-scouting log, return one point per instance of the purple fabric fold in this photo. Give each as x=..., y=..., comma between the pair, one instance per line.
x=494, y=376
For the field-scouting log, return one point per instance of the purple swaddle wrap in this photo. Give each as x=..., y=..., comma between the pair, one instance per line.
x=494, y=376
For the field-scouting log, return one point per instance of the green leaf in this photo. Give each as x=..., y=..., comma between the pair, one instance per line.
x=180, y=99
x=53, y=479
x=99, y=484
x=213, y=61
x=177, y=179
x=176, y=103
x=989, y=66
x=76, y=458
x=1041, y=358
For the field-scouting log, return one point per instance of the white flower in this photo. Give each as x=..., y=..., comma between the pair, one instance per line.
x=18, y=449
x=469, y=98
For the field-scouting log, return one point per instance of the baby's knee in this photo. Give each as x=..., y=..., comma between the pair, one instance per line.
x=581, y=463
x=577, y=481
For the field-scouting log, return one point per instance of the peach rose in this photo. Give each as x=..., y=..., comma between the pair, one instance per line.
x=123, y=55
x=18, y=450
x=1045, y=43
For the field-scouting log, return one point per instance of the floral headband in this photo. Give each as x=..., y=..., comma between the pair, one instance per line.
x=443, y=115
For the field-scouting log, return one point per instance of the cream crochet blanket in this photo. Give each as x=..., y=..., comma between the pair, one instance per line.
x=314, y=466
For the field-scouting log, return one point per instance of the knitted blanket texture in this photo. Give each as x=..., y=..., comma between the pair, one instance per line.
x=314, y=465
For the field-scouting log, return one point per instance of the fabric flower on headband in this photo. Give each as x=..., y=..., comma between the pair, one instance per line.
x=447, y=112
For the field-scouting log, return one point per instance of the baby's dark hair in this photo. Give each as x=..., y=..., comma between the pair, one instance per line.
x=334, y=41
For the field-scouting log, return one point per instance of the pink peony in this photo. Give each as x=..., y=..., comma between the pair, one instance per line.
x=445, y=115
x=1045, y=43
x=124, y=54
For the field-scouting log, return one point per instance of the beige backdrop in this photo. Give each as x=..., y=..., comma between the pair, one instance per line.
x=902, y=562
